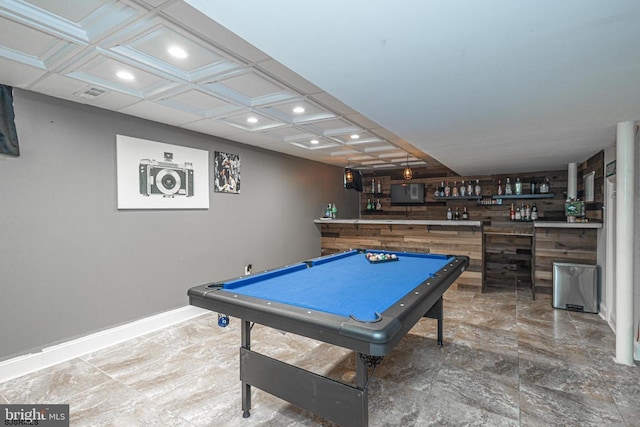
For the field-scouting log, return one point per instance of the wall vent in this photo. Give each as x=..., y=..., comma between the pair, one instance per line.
x=92, y=92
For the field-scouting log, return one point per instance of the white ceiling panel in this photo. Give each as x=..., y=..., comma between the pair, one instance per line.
x=252, y=121
x=72, y=11
x=202, y=103
x=17, y=74
x=213, y=127
x=103, y=71
x=159, y=113
x=252, y=89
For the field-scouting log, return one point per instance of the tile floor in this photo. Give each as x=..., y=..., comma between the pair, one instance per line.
x=507, y=361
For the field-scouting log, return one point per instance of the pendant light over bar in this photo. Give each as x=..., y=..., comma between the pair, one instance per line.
x=348, y=174
x=407, y=173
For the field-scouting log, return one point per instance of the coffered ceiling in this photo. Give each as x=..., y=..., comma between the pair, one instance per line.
x=165, y=61
x=482, y=87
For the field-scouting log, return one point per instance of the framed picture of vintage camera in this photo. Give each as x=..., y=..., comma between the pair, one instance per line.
x=226, y=173
x=156, y=175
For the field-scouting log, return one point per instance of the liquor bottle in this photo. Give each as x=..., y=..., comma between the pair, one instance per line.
x=507, y=188
x=441, y=188
x=499, y=187
x=449, y=214
x=378, y=205
x=544, y=186
x=470, y=189
x=465, y=214
x=447, y=190
x=518, y=187
x=532, y=186
x=379, y=187
x=518, y=215
x=373, y=186
x=527, y=213
x=334, y=211
x=463, y=189
x=478, y=188
x=368, y=204
x=512, y=213
x=534, y=213
x=327, y=212
x=523, y=215
x=454, y=189
x=457, y=214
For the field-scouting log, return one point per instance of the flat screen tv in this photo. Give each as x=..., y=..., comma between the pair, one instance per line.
x=407, y=194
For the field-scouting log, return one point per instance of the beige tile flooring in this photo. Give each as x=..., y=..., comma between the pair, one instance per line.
x=507, y=361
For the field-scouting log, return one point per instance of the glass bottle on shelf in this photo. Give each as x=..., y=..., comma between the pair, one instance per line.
x=470, y=189
x=379, y=187
x=373, y=186
x=457, y=214
x=518, y=187
x=449, y=214
x=499, y=187
x=507, y=188
x=465, y=213
x=463, y=189
x=534, y=212
x=454, y=189
x=532, y=185
x=334, y=211
x=512, y=213
x=441, y=188
x=518, y=214
x=378, y=205
x=544, y=186
x=447, y=189
x=478, y=188
x=368, y=204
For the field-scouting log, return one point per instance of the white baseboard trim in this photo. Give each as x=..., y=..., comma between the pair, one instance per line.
x=49, y=356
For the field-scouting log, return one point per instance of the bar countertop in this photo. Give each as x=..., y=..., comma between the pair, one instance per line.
x=455, y=223
x=564, y=224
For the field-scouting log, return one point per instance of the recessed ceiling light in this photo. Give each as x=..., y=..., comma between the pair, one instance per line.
x=314, y=141
x=177, y=52
x=298, y=110
x=355, y=136
x=125, y=75
x=252, y=119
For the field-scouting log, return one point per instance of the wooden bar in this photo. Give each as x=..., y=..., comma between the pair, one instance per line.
x=562, y=242
x=444, y=237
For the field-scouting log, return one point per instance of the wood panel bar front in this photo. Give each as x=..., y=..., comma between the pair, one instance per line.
x=443, y=237
x=568, y=243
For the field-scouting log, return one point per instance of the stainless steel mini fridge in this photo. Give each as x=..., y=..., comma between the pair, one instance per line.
x=575, y=287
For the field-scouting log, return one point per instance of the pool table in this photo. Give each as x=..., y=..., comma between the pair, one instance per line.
x=344, y=299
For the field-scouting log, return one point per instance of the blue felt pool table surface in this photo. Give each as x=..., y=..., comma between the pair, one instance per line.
x=345, y=284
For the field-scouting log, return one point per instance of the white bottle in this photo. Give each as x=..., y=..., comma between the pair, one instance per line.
x=478, y=188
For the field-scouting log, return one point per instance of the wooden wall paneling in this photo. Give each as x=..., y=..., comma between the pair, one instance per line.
x=561, y=245
x=451, y=240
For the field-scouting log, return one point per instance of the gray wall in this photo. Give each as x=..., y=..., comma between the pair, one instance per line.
x=72, y=264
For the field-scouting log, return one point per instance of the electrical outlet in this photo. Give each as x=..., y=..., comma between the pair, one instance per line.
x=247, y=269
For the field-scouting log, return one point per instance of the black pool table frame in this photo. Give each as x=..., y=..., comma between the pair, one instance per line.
x=338, y=402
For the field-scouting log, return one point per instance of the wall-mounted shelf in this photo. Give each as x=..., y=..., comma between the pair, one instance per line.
x=525, y=196
x=457, y=197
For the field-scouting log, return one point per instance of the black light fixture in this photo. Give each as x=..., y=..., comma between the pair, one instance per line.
x=348, y=174
x=407, y=173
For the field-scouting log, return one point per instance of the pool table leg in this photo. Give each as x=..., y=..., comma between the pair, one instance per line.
x=246, y=388
x=362, y=378
x=435, y=312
